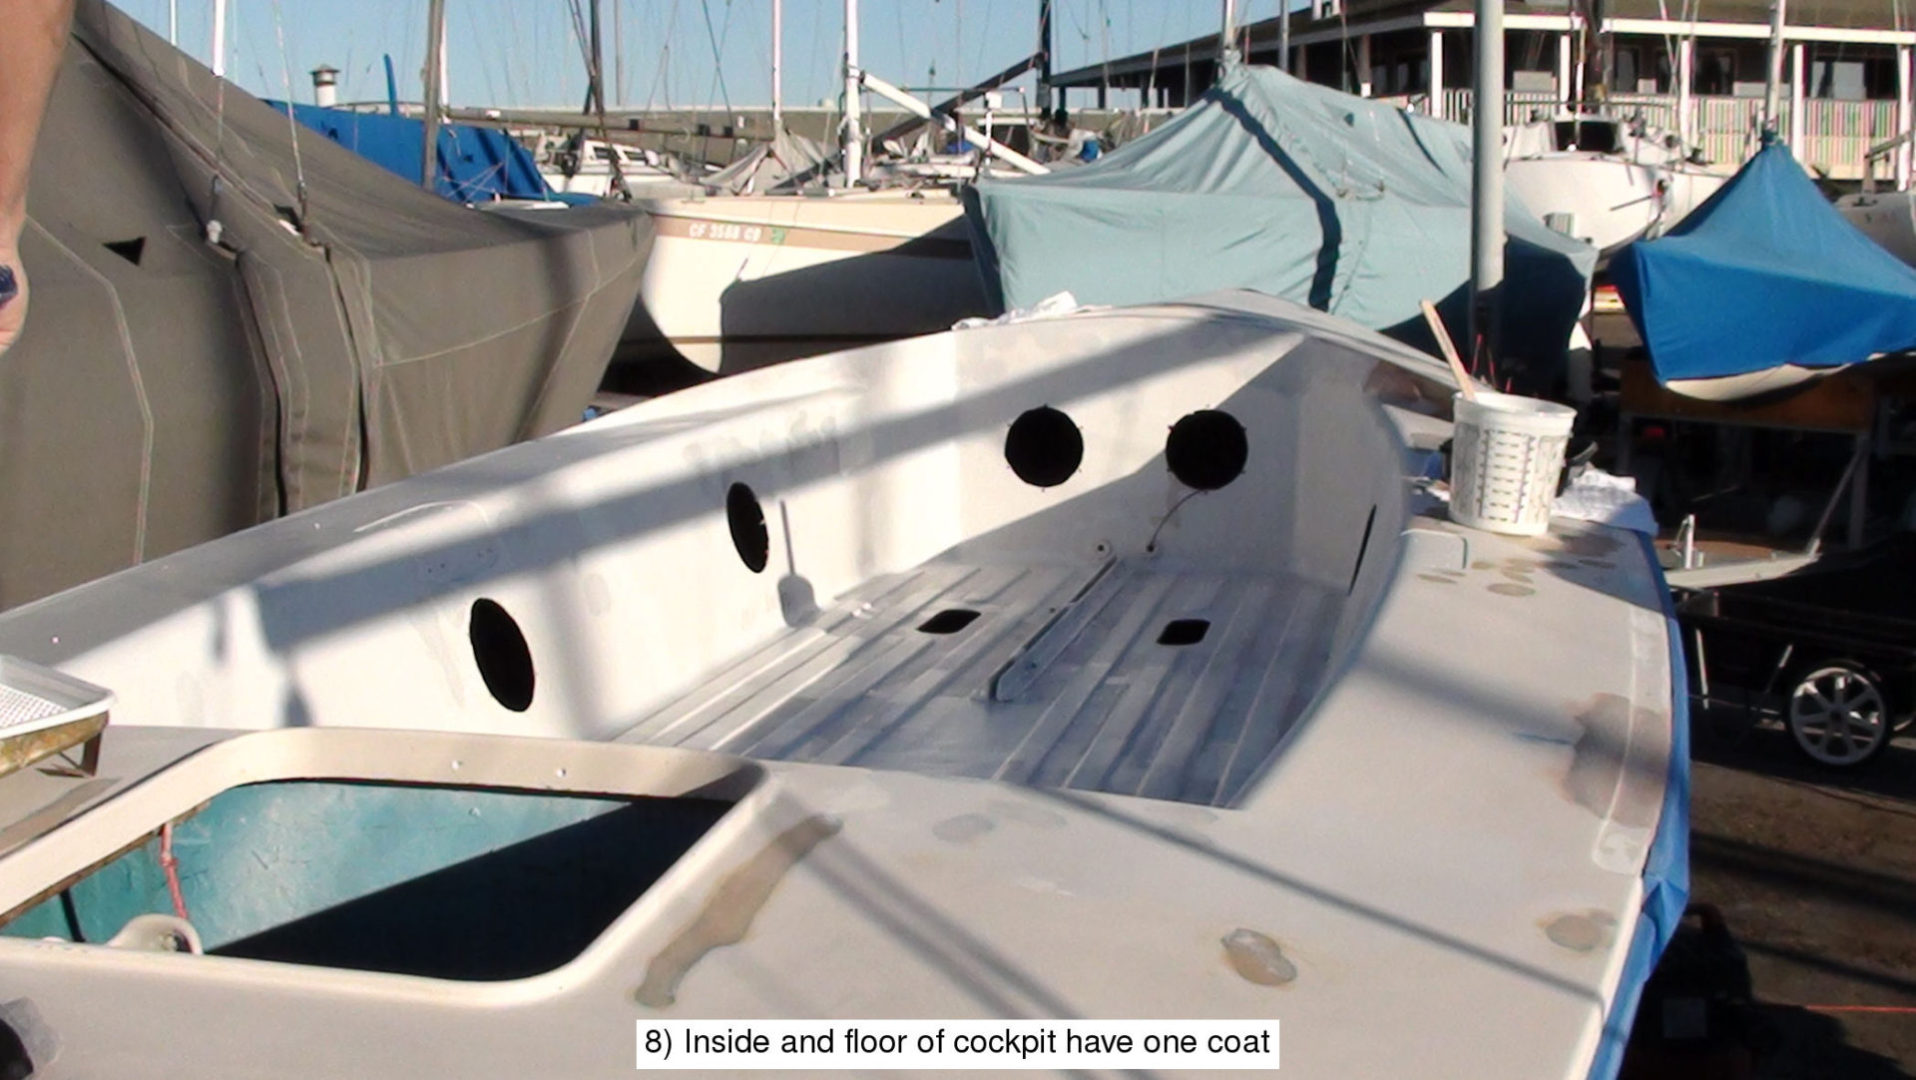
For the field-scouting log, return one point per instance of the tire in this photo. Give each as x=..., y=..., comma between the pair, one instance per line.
x=1838, y=713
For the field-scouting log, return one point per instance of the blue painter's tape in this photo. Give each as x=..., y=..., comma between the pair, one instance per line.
x=1666, y=872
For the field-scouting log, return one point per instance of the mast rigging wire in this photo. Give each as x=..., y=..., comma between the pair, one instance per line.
x=292, y=125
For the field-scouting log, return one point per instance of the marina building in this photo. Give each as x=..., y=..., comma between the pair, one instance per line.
x=1694, y=67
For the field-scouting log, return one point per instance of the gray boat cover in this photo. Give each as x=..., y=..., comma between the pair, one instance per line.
x=1292, y=189
x=788, y=160
x=341, y=333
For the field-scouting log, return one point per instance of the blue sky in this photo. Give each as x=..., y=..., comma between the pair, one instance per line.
x=523, y=52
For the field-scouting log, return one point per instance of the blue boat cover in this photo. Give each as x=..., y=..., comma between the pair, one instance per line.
x=475, y=164
x=1765, y=273
x=1349, y=205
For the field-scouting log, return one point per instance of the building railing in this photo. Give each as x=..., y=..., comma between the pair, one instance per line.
x=1837, y=135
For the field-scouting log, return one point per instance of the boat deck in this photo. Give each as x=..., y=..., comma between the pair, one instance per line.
x=1081, y=677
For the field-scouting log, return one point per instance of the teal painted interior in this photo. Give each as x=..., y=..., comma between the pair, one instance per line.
x=462, y=883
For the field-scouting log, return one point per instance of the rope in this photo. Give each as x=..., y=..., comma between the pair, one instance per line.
x=665, y=60
x=171, y=866
x=292, y=125
x=213, y=226
x=718, y=51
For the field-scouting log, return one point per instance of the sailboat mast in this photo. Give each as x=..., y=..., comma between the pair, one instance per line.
x=219, y=38
x=595, y=81
x=778, y=66
x=173, y=22
x=854, y=144
x=435, y=62
x=1044, y=55
x=618, y=54
x=1487, y=179
x=1228, y=42
x=1773, y=86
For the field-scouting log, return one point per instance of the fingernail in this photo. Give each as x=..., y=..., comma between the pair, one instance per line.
x=8, y=287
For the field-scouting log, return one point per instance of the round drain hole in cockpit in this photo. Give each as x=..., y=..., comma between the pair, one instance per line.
x=747, y=520
x=500, y=650
x=1207, y=449
x=1044, y=447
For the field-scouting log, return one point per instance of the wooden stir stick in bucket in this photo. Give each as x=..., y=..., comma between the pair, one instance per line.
x=1465, y=383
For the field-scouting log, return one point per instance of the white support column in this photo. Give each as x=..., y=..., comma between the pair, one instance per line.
x=1576, y=69
x=1772, y=85
x=1437, y=73
x=1363, y=66
x=1686, y=82
x=1904, y=107
x=1563, y=69
x=1799, y=102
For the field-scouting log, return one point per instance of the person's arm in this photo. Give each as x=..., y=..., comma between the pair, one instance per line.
x=30, y=49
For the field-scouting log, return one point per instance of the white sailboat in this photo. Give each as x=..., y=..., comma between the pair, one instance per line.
x=1605, y=179
x=1097, y=666
x=738, y=281
x=1887, y=217
x=585, y=167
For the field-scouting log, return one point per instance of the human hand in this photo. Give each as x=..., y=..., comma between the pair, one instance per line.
x=13, y=299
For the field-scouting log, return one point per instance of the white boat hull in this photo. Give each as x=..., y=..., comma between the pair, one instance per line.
x=738, y=282
x=1610, y=202
x=1097, y=720
x=1752, y=384
x=1613, y=181
x=1887, y=217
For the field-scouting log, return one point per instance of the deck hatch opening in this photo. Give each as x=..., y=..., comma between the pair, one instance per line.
x=1207, y=449
x=746, y=518
x=948, y=621
x=1044, y=447
x=499, y=649
x=447, y=882
x=1184, y=631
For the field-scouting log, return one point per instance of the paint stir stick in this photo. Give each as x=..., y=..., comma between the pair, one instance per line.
x=1464, y=382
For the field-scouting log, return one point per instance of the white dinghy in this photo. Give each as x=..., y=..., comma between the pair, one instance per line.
x=1104, y=666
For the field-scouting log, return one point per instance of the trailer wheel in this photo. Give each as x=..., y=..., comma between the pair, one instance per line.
x=1838, y=713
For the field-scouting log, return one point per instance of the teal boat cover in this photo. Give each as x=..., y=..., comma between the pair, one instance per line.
x=1766, y=273
x=1296, y=190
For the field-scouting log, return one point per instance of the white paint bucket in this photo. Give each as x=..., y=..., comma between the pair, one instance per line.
x=1505, y=459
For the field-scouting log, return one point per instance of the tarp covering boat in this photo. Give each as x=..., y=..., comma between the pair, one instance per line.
x=475, y=164
x=1293, y=189
x=787, y=159
x=1765, y=274
x=346, y=328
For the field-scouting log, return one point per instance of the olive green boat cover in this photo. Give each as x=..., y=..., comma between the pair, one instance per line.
x=344, y=329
